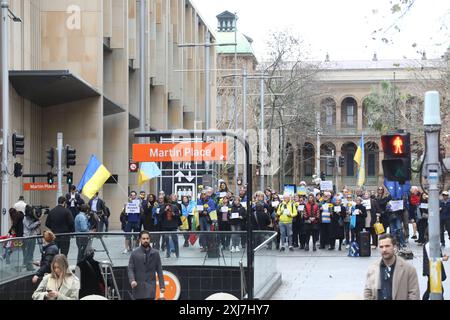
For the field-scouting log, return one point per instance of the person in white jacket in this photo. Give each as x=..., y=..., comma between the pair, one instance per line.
x=61, y=284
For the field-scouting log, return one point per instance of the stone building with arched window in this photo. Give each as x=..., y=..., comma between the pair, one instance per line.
x=343, y=117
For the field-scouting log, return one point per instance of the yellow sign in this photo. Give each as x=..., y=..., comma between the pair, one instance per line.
x=435, y=276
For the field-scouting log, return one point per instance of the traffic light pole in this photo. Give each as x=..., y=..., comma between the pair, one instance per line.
x=59, y=143
x=432, y=171
x=5, y=112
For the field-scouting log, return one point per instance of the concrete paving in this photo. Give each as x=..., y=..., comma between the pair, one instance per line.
x=332, y=275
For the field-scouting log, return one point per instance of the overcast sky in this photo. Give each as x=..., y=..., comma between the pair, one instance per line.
x=343, y=28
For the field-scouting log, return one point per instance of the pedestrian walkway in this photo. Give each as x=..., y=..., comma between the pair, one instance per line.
x=331, y=275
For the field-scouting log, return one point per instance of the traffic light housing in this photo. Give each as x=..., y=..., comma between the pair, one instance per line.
x=69, y=177
x=341, y=161
x=18, y=169
x=397, y=157
x=18, y=144
x=71, y=156
x=322, y=176
x=50, y=178
x=331, y=162
x=51, y=157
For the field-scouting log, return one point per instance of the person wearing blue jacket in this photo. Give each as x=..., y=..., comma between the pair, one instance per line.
x=82, y=225
x=204, y=206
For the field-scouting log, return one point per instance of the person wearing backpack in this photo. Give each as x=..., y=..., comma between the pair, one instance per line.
x=286, y=212
x=311, y=219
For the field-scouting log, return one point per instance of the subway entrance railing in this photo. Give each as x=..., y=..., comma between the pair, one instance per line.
x=18, y=254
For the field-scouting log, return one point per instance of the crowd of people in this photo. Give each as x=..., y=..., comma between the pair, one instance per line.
x=331, y=220
x=308, y=220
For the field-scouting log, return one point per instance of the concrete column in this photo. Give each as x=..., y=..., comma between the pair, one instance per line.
x=338, y=118
x=359, y=119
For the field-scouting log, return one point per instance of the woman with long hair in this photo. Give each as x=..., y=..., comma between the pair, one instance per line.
x=60, y=284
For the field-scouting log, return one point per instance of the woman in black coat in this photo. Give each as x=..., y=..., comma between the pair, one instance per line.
x=49, y=251
x=237, y=215
x=361, y=213
x=147, y=219
x=260, y=221
x=170, y=220
x=337, y=222
x=422, y=225
x=373, y=211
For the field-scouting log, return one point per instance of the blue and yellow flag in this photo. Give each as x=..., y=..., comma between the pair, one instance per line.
x=359, y=159
x=147, y=171
x=94, y=177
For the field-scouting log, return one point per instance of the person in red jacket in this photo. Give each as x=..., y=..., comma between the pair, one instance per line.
x=311, y=219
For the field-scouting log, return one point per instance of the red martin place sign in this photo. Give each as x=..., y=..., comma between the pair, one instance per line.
x=180, y=152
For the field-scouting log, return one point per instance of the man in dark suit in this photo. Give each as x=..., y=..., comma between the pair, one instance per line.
x=74, y=201
x=97, y=206
x=60, y=220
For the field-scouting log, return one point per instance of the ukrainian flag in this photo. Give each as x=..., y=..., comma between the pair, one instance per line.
x=147, y=171
x=359, y=159
x=94, y=177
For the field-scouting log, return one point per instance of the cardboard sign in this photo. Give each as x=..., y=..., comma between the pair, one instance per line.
x=367, y=204
x=235, y=215
x=133, y=207
x=424, y=205
x=396, y=205
x=326, y=185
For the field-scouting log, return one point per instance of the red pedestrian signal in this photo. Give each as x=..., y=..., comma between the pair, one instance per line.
x=396, y=145
x=397, y=157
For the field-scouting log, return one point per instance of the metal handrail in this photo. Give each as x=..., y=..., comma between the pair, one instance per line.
x=265, y=242
x=97, y=234
x=242, y=277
